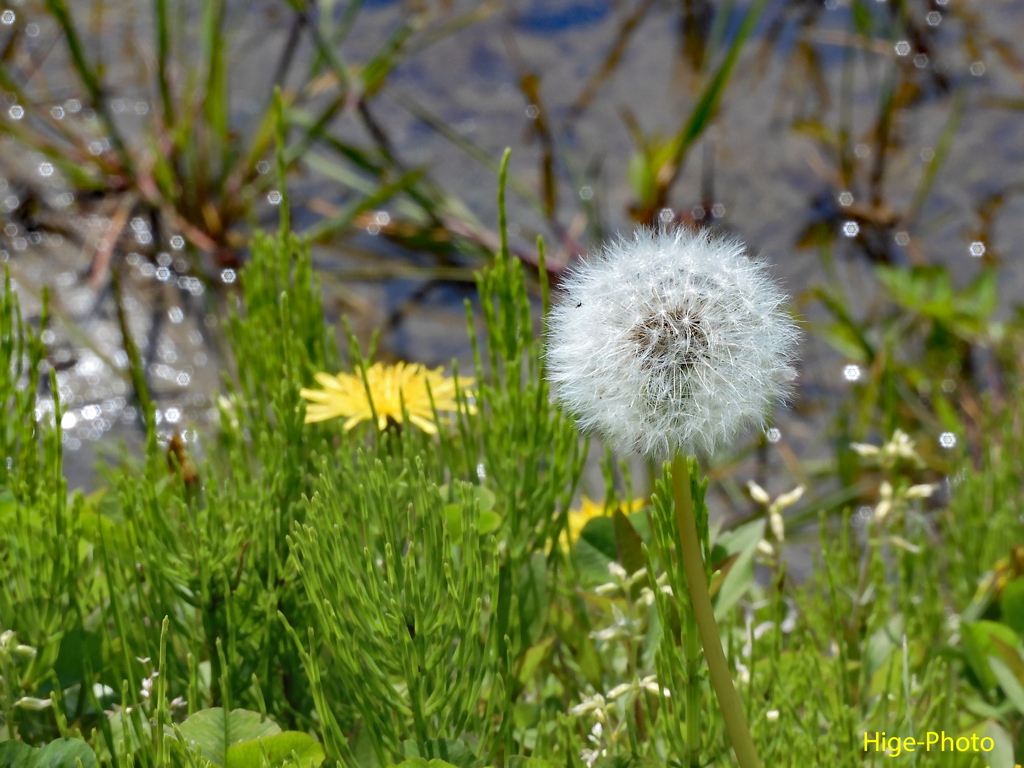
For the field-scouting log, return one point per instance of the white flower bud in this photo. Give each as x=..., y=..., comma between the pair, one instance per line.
x=920, y=491
x=901, y=445
x=595, y=704
x=789, y=499
x=25, y=651
x=864, y=449
x=617, y=571
x=31, y=704
x=758, y=494
x=650, y=684
x=670, y=340
x=619, y=690
x=882, y=510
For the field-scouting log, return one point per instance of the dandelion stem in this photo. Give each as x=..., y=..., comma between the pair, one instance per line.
x=704, y=614
x=691, y=646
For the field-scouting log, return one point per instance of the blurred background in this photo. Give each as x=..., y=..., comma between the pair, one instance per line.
x=871, y=151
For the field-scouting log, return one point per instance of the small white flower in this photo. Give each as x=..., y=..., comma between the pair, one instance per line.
x=789, y=499
x=900, y=446
x=622, y=627
x=619, y=690
x=637, y=576
x=595, y=704
x=775, y=519
x=617, y=571
x=772, y=715
x=864, y=449
x=758, y=494
x=101, y=691
x=670, y=340
x=650, y=684
x=920, y=491
x=886, y=503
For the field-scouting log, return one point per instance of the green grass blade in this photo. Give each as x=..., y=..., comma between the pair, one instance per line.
x=89, y=78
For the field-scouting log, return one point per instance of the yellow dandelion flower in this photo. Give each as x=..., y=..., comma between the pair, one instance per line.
x=578, y=518
x=344, y=395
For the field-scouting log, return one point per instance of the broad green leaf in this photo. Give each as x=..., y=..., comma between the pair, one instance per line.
x=488, y=521
x=627, y=543
x=978, y=645
x=7, y=504
x=62, y=753
x=592, y=562
x=280, y=747
x=117, y=722
x=208, y=730
x=444, y=752
x=1011, y=605
x=622, y=761
x=533, y=657
x=599, y=533
x=453, y=515
x=76, y=648
x=526, y=714
x=879, y=648
x=1001, y=754
x=742, y=542
x=1008, y=682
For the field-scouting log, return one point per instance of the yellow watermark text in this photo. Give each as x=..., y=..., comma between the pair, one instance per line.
x=894, y=746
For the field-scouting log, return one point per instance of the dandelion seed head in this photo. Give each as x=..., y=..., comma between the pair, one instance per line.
x=670, y=340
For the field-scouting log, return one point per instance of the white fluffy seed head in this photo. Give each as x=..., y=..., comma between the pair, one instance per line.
x=671, y=340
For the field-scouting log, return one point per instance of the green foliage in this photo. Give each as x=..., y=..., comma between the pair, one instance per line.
x=60, y=753
x=285, y=595
x=243, y=739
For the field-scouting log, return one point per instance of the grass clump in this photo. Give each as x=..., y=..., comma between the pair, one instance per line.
x=282, y=593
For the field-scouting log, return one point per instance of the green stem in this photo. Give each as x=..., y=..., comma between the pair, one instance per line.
x=704, y=614
x=692, y=647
